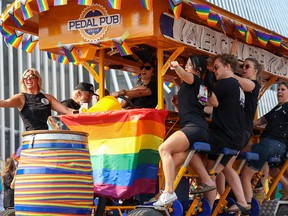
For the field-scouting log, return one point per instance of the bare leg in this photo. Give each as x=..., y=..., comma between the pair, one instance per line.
x=176, y=143
x=234, y=181
x=246, y=176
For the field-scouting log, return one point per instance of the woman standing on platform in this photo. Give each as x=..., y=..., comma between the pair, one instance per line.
x=195, y=92
x=34, y=107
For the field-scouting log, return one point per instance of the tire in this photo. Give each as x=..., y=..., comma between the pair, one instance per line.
x=144, y=212
x=8, y=212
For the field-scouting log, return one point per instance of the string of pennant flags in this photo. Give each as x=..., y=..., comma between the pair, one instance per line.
x=14, y=37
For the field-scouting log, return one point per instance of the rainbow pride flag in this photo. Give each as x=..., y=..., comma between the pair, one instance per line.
x=71, y=54
x=262, y=38
x=42, y=5
x=248, y=37
x=275, y=40
x=16, y=18
x=240, y=28
x=26, y=9
x=62, y=59
x=15, y=39
x=212, y=20
x=169, y=84
x=122, y=47
x=221, y=21
x=115, y=4
x=123, y=146
x=60, y=2
x=85, y=2
x=147, y=4
x=202, y=10
x=51, y=56
x=176, y=7
x=30, y=44
x=5, y=30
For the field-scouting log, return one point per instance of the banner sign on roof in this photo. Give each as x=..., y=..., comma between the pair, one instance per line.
x=208, y=40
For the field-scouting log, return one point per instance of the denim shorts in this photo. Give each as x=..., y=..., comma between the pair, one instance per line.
x=266, y=148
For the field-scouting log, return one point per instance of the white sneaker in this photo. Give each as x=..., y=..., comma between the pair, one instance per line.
x=165, y=198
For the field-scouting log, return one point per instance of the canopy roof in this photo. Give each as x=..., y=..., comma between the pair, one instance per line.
x=138, y=32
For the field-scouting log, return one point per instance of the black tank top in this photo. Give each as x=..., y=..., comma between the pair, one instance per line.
x=35, y=112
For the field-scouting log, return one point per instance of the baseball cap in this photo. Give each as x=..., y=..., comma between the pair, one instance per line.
x=85, y=86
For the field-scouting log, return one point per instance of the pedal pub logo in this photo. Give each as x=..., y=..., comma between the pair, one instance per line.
x=93, y=22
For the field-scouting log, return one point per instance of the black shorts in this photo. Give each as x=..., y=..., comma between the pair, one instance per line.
x=195, y=134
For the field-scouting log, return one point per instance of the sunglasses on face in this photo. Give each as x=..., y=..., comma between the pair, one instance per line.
x=246, y=66
x=31, y=76
x=146, y=67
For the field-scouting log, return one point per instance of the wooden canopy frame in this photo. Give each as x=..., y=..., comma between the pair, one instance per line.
x=67, y=25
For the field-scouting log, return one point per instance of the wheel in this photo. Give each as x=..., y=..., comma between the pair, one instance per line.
x=206, y=208
x=8, y=212
x=144, y=212
x=131, y=105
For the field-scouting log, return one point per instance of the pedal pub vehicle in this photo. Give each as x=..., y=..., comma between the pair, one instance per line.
x=122, y=143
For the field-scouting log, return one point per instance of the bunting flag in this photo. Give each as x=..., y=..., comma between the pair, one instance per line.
x=176, y=6
x=26, y=9
x=262, y=38
x=123, y=146
x=275, y=40
x=60, y=2
x=63, y=59
x=147, y=4
x=202, y=10
x=15, y=39
x=212, y=20
x=169, y=84
x=30, y=44
x=222, y=24
x=240, y=28
x=42, y=5
x=285, y=46
x=122, y=47
x=15, y=17
x=248, y=36
x=85, y=2
x=51, y=56
x=115, y=4
x=5, y=30
x=71, y=53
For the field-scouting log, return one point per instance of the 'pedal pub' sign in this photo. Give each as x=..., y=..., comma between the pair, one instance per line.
x=93, y=22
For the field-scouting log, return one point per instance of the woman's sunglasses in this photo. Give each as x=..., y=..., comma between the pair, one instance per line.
x=31, y=76
x=146, y=67
x=246, y=66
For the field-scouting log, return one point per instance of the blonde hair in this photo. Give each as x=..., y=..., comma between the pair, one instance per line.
x=9, y=168
x=34, y=72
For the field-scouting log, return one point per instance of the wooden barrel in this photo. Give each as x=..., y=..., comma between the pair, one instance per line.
x=54, y=175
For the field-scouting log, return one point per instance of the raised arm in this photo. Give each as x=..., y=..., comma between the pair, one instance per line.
x=183, y=75
x=16, y=101
x=57, y=106
x=246, y=84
